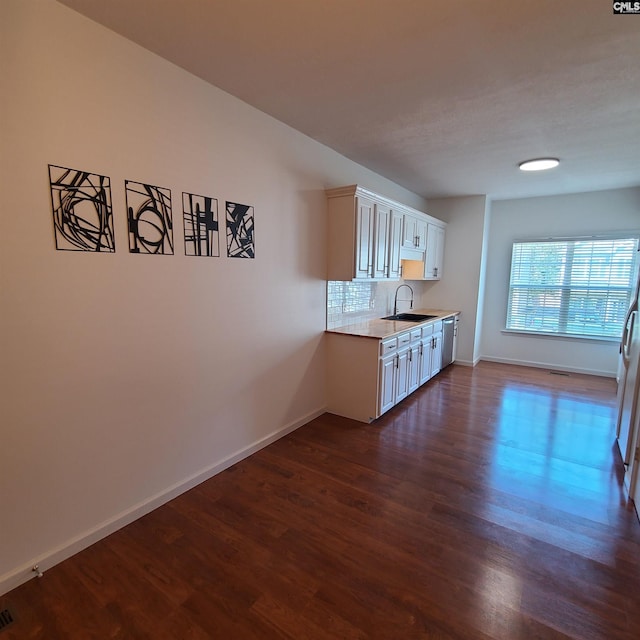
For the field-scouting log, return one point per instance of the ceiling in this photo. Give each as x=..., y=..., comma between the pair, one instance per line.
x=444, y=97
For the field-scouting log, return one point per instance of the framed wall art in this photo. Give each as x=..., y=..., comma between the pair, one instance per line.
x=201, y=231
x=82, y=210
x=149, y=218
x=240, y=231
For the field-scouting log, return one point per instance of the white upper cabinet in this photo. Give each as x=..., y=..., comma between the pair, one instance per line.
x=435, y=252
x=369, y=235
x=381, y=241
x=351, y=222
x=364, y=252
x=414, y=232
x=395, y=237
x=426, y=265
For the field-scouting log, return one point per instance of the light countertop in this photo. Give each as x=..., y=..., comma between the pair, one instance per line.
x=380, y=329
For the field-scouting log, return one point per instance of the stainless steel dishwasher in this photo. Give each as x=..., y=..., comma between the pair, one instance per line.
x=448, y=329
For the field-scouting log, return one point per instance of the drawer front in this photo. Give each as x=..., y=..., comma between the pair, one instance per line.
x=388, y=346
x=437, y=326
x=427, y=329
x=416, y=334
x=404, y=339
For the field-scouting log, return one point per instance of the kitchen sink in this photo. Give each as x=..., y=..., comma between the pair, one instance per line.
x=409, y=317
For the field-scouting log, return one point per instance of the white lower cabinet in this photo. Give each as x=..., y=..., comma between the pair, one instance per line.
x=367, y=376
x=402, y=375
x=397, y=373
x=414, y=359
x=402, y=367
x=436, y=352
x=387, y=393
x=426, y=349
x=414, y=367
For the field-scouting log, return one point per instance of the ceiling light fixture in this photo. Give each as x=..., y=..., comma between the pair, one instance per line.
x=539, y=164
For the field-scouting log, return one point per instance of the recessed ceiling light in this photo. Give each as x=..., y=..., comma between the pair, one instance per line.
x=539, y=164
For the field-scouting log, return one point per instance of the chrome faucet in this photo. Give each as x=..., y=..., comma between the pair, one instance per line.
x=395, y=300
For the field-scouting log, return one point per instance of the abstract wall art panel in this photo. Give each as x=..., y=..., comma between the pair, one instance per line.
x=240, y=228
x=149, y=218
x=201, y=232
x=82, y=211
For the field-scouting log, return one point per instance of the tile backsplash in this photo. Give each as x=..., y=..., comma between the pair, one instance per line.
x=355, y=301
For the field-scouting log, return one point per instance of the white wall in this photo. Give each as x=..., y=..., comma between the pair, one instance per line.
x=461, y=283
x=128, y=378
x=568, y=215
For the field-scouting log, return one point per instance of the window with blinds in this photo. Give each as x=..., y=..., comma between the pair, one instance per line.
x=576, y=287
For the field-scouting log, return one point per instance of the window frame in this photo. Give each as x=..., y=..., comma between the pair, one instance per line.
x=565, y=289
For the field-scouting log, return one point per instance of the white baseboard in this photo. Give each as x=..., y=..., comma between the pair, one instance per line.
x=552, y=367
x=21, y=574
x=466, y=363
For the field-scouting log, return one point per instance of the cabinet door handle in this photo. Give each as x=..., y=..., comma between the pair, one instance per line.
x=435, y=271
x=397, y=359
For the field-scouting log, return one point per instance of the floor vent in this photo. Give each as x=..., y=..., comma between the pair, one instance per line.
x=6, y=619
x=559, y=373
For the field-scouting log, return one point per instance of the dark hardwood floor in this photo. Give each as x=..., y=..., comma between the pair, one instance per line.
x=487, y=505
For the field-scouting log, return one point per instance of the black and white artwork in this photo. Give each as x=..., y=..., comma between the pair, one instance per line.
x=82, y=211
x=240, y=229
x=149, y=218
x=201, y=232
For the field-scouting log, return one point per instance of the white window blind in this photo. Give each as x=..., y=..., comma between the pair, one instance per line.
x=575, y=287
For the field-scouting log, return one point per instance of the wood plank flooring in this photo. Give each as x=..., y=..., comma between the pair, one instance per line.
x=488, y=505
